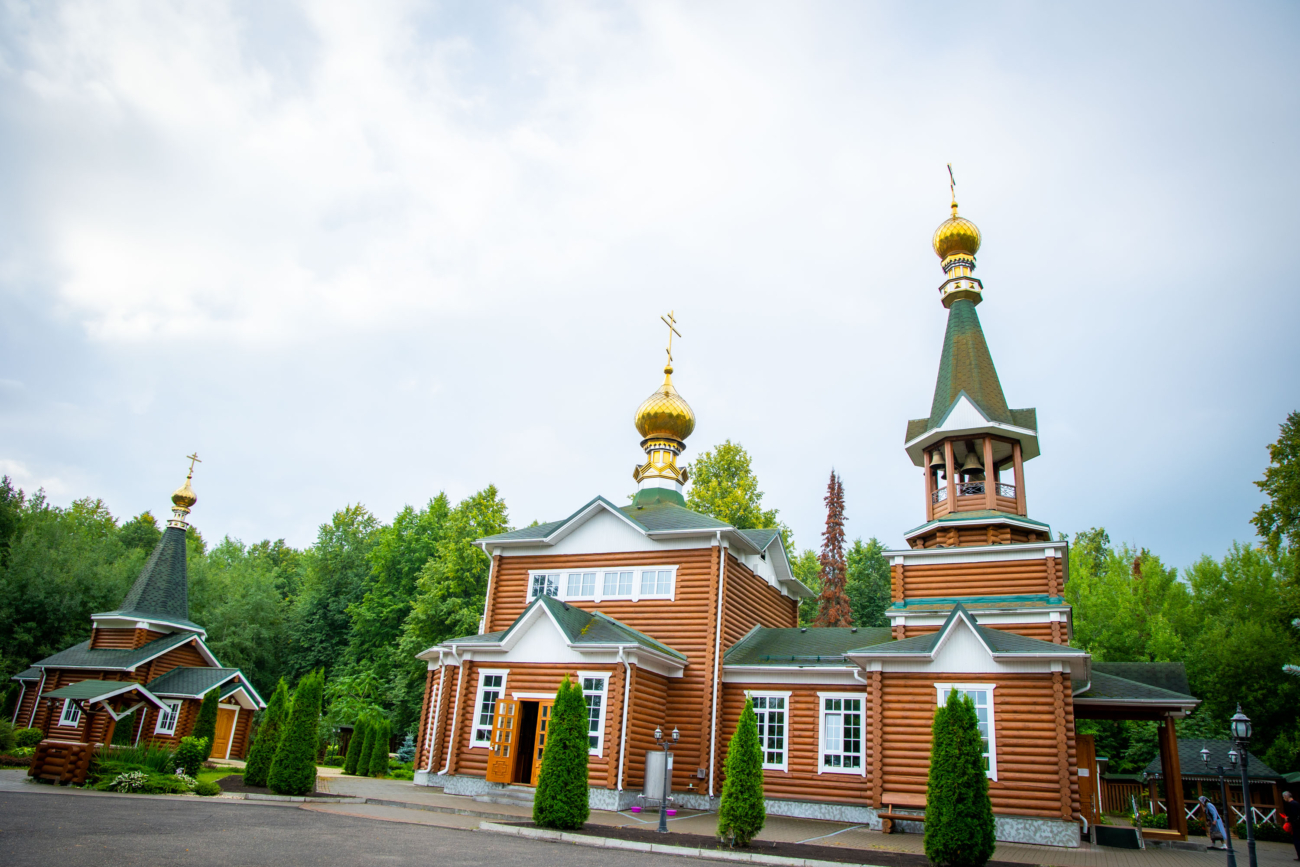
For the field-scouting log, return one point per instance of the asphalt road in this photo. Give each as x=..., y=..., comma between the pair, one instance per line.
x=71, y=831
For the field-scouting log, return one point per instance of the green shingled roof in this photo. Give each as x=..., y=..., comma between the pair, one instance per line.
x=89, y=690
x=1110, y=686
x=161, y=592
x=966, y=366
x=1171, y=676
x=657, y=518
x=1190, y=763
x=190, y=682
x=28, y=674
x=815, y=646
x=81, y=656
x=998, y=641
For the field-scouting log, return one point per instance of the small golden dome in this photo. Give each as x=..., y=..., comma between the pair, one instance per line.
x=956, y=235
x=665, y=414
x=183, y=496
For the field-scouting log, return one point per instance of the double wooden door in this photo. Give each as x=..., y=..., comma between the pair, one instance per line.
x=510, y=736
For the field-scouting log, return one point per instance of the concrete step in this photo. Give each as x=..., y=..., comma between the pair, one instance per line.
x=518, y=797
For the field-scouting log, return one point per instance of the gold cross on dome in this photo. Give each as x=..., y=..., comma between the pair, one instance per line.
x=952, y=185
x=672, y=329
x=193, y=459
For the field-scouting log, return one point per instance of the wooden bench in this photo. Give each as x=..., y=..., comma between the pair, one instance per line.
x=890, y=803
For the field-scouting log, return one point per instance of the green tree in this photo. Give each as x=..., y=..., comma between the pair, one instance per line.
x=808, y=570
x=868, y=583
x=742, y=813
x=192, y=753
x=355, y=746
x=141, y=533
x=959, y=829
x=293, y=771
x=562, y=799
x=370, y=735
x=262, y=753
x=11, y=511
x=1278, y=520
x=723, y=485
x=206, y=724
x=378, y=765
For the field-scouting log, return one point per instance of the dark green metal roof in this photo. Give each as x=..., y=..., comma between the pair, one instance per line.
x=1171, y=676
x=1109, y=686
x=966, y=366
x=81, y=656
x=998, y=641
x=161, y=592
x=814, y=646
x=1191, y=764
x=658, y=497
x=190, y=682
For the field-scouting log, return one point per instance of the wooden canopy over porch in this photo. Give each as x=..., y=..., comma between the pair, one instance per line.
x=102, y=704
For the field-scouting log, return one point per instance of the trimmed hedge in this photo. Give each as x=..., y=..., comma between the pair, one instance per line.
x=742, y=813
x=562, y=797
x=959, y=828
x=293, y=770
x=378, y=766
x=355, y=744
x=262, y=753
x=207, y=788
x=28, y=737
x=206, y=725
x=190, y=755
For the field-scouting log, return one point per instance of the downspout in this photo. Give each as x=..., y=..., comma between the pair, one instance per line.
x=622, y=732
x=21, y=695
x=487, y=593
x=455, y=712
x=433, y=717
x=31, y=721
x=717, y=662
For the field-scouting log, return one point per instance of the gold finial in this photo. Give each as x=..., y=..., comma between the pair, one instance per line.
x=672, y=329
x=952, y=185
x=183, y=498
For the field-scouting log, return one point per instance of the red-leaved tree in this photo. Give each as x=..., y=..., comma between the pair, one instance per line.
x=833, y=607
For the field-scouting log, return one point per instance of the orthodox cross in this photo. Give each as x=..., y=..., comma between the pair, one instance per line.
x=672, y=329
x=193, y=458
x=952, y=184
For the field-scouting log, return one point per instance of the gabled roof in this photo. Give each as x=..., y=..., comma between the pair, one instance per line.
x=101, y=690
x=1190, y=763
x=187, y=682
x=161, y=591
x=1105, y=686
x=82, y=656
x=1168, y=676
x=999, y=642
x=813, y=646
x=32, y=673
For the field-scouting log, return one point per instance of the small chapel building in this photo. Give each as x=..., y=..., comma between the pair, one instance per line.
x=145, y=667
x=669, y=618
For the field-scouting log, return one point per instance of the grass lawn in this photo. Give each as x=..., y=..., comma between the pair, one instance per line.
x=214, y=774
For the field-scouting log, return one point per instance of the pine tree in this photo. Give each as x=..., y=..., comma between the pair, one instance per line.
x=959, y=828
x=206, y=725
x=367, y=748
x=833, y=608
x=261, y=754
x=562, y=799
x=379, y=755
x=293, y=771
x=355, y=744
x=742, y=812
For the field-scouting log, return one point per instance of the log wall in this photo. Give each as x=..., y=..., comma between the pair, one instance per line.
x=991, y=534
x=949, y=580
x=1041, y=631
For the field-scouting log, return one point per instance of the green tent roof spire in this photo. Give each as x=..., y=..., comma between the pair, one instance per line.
x=966, y=366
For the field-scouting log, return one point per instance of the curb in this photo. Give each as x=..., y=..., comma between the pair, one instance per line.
x=296, y=799
x=437, y=808
x=635, y=846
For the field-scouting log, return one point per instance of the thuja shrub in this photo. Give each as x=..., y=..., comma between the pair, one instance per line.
x=355, y=743
x=27, y=737
x=206, y=725
x=367, y=748
x=959, y=828
x=379, y=753
x=561, y=800
x=190, y=755
x=742, y=813
x=262, y=753
x=293, y=770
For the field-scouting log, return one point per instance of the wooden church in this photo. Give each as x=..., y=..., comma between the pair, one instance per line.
x=144, y=671
x=669, y=618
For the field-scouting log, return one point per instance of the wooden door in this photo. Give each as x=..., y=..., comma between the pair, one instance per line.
x=225, y=728
x=539, y=744
x=1089, y=786
x=505, y=742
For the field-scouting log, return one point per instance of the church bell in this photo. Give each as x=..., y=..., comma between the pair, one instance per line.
x=937, y=464
x=973, y=467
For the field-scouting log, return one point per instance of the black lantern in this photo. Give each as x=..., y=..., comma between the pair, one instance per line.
x=1233, y=755
x=1240, y=727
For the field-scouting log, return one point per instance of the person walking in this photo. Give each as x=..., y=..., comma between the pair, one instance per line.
x=1291, y=809
x=1213, y=824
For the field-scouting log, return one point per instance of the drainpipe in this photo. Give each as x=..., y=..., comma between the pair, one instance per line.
x=622, y=732
x=455, y=713
x=487, y=593
x=433, y=717
x=21, y=695
x=31, y=721
x=717, y=663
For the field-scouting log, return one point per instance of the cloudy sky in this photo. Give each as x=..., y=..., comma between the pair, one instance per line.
x=365, y=252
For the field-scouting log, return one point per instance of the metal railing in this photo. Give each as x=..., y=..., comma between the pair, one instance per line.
x=974, y=489
x=938, y=495
x=1005, y=490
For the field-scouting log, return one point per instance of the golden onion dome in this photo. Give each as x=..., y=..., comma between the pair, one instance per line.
x=183, y=497
x=665, y=414
x=956, y=235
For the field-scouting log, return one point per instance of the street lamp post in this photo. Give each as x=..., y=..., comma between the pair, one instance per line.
x=668, y=777
x=1241, y=736
x=1227, y=808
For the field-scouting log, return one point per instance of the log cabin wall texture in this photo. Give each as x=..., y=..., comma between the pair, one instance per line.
x=1041, y=631
x=948, y=580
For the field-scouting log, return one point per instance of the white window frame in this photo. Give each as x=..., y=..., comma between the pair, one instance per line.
x=167, y=720
x=784, y=764
x=69, y=720
x=941, y=698
x=861, y=770
x=598, y=595
x=477, y=726
x=602, y=676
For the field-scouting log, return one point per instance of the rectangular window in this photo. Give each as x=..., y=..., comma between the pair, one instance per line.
x=491, y=685
x=841, y=735
x=594, y=687
x=770, y=709
x=981, y=695
x=544, y=585
x=582, y=585
x=71, y=715
x=617, y=584
x=658, y=582
x=167, y=718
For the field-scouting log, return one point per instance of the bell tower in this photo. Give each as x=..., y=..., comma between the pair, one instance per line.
x=972, y=448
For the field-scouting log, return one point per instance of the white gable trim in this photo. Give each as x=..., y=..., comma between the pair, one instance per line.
x=965, y=418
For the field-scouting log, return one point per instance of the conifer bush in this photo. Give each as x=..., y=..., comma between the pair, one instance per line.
x=262, y=753
x=742, y=812
x=293, y=770
x=959, y=828
x=367, y=748
x=206, y=725
x=561, y=800
x=27, y=737
x=190, y=755
x=355, y=744
x=379, y=753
